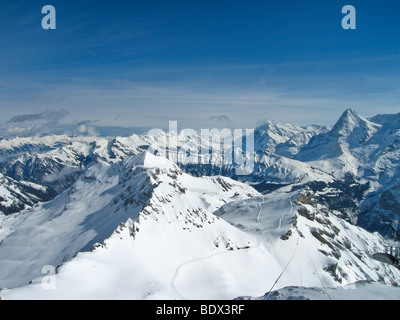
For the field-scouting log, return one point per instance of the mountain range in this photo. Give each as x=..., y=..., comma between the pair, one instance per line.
x=117, y=221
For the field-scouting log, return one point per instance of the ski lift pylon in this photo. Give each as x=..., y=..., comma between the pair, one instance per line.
x=392, y=254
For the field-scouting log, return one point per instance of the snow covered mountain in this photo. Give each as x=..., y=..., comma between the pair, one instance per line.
x=58, y=161
x=341, y=145
x=97, y=208
x=355, y=151
x=143, y=229
x=284, y=139
x=16, y=196
x=106, y=196
x=367, y=149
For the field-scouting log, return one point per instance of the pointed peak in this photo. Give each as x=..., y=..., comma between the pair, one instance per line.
x=348, y=120
x=350, y=113
x=149, y=160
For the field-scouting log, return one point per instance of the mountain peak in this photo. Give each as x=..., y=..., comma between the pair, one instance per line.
x=347, y=122
x=350, y=114
x=148, y=160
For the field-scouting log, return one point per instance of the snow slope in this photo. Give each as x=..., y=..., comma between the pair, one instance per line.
x=157, y=232
x=323, y=250
x=99, y=202
x=189, y=238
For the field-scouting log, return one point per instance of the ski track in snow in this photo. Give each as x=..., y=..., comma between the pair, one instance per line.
x=297, y=243
x=290, y=212
x=261, y=210
x=178, y=270
x=282, y=217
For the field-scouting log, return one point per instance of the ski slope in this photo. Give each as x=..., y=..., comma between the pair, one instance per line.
x=181, y=237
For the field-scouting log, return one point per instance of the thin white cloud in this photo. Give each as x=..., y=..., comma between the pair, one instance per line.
x=47, y=115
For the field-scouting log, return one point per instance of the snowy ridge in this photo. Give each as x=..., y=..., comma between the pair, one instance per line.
x=95, y=206
x=181, y=237
x=368, y=149
x=284, y=139
x=129, y=224
x=296, y=224
x=16, y=196
x=335, y=147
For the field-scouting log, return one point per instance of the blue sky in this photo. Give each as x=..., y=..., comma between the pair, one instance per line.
x=203, y=63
